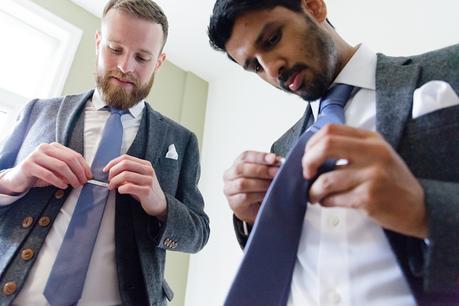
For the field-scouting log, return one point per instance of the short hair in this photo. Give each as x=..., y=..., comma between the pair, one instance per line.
x=227, y=11
x=144, y=9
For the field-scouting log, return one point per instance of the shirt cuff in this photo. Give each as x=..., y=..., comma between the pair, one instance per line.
x=9, y=199
x=6, y=199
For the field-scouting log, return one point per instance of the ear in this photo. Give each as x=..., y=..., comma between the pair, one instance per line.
x=316, y=8
x=98, y=39
x=160, y=61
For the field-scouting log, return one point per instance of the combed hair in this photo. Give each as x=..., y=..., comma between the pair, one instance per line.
x=144, y=9
x=227, y=11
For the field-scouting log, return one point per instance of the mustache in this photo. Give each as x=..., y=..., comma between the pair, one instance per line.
x=123, y=76
x=287, y=73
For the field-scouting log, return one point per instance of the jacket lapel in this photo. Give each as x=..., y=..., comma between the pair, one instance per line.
x=396, y=80
x=70, y=121
x=149, y=141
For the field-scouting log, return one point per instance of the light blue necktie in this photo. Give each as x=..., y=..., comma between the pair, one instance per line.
x=265, y=274
x=66, y=280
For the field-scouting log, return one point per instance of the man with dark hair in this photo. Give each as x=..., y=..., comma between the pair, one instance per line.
x=94, y=188
x=384, y=231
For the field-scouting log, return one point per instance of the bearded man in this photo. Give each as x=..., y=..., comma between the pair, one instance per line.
x=94, y=188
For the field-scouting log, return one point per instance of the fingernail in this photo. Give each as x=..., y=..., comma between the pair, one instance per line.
x=280, y=160
x=270, y=158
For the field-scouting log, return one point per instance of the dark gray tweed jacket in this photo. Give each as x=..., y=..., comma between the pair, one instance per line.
x=429, y=145
x=141, y=240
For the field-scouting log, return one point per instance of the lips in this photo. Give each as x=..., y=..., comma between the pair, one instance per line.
x=124, y=81
x=295, y=81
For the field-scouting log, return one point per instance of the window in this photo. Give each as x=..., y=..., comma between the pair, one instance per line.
x=36, y=55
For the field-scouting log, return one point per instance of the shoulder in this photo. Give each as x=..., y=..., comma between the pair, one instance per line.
x=171, y=127
x=447, y=57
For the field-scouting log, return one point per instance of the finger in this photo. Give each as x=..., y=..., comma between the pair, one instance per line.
x=261, y=158
x=242, y=200
x=73, y=159
x=339, y=130
x=129, y=165
x=333, y=147
x=345, y=199
x=336, y=181
x=121, y=158
x=129, y=177
x=250, y=170
x=132, y=189
x=58, y=168
x=46, y=176
x=243, y=185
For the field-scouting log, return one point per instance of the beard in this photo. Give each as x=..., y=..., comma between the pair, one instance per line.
x=318, y=46
x=118, y=97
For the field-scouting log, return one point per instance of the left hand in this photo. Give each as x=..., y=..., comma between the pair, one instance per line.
x=136, y=177
x=375, y=179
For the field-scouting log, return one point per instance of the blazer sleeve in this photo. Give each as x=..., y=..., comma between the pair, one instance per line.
x=13, y=143
x=186, y=228
x=442, y=256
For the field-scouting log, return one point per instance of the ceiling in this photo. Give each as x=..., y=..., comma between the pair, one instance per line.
x=391, y=26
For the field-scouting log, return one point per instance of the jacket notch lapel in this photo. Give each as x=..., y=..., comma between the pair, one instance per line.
x=396, y=80
x=70, y=121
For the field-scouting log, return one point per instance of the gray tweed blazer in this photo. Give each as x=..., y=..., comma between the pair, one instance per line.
x=429, y=145
x=141, y=240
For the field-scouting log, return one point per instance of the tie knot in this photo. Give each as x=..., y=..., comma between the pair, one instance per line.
x=116, y=111
x=337, y=95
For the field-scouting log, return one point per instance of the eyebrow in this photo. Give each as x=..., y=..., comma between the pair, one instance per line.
x=259, y=42
x=140, y=50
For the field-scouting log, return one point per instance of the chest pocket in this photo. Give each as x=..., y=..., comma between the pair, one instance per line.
x=430, y=145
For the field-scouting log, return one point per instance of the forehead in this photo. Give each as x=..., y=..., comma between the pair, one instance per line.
x=248, y=27
x=124, y=28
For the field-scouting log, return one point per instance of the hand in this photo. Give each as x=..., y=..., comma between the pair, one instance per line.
x=49, y=164
x=136, y=177
x=375, y=179
x=246, y=182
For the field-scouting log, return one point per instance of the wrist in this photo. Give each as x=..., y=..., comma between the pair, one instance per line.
x=159, y=208
x=9, y=185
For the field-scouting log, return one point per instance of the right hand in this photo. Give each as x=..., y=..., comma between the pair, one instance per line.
x=246, y=182
x=49, y=164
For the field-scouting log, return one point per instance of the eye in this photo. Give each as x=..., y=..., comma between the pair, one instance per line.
x=273, y=39
x=115, y=50
x=258, y=68
x=140, y=59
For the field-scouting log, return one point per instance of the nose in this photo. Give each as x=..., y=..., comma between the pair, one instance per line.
x=126, y=63
x=272, y=66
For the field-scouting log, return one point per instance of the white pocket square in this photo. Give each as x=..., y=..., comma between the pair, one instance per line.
x=433, y=96
x=172, y=152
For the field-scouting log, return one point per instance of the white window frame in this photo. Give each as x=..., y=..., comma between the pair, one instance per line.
x=67, y=34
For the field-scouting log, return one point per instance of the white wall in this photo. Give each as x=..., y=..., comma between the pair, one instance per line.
x=244, y=113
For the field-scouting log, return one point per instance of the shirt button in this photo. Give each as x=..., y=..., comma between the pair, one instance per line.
x=44, y=221
x=333, y=221
x=27, y=254
x=9, y=288
x=27, y=222
x=59, y=194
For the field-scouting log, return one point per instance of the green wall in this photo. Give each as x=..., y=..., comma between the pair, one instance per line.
x=178, y=94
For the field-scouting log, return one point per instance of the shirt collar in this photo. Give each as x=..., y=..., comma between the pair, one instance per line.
x=98, y=103
x=360, y=70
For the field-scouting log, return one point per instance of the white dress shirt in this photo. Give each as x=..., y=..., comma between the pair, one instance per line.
x=344, y=258
x=101, y=284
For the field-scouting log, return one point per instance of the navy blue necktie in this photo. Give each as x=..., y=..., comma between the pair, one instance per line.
x=265, y=274
x=66, y=280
